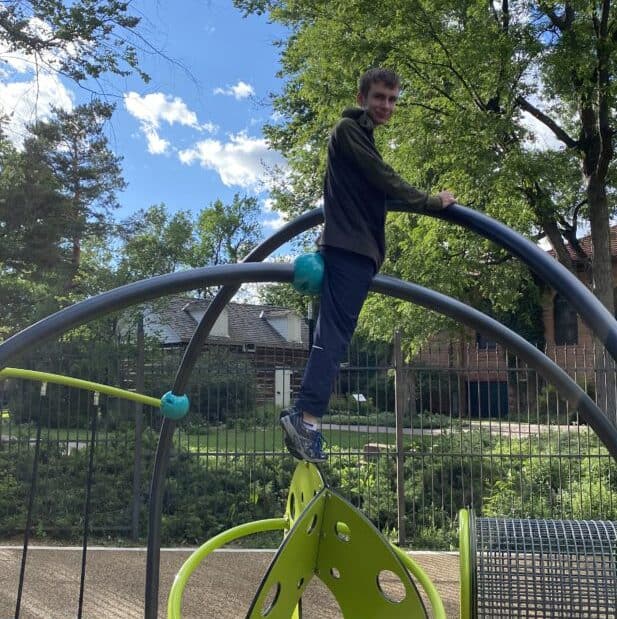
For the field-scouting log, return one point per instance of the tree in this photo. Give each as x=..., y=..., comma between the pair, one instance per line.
x=75, y=148
x=475, y=76
x=227, y=232
x=82, y=39
x=33, y=215
x=155, y=242
x=33, y=253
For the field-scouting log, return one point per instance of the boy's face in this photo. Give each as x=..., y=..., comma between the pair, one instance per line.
x=379, y=102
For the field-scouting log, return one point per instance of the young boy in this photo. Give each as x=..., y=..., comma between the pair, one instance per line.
x=356, y=187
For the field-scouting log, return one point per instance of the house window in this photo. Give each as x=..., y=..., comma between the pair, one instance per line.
x=566, y=322
x=485, y=343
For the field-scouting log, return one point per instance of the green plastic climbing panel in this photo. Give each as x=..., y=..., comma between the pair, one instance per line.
x=333, y=541
x=328, y=538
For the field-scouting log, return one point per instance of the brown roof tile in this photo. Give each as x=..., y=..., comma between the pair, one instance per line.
x=587, y=246
x=246, y=324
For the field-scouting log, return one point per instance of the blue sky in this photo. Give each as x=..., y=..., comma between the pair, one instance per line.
x=194, y=133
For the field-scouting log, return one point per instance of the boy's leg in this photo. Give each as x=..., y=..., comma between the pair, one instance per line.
x=347, y=278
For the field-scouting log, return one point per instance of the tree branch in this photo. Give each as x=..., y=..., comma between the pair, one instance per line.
x=549, y=122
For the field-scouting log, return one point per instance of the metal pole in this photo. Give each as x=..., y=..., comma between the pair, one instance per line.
x=399, y=408
x=139, y=407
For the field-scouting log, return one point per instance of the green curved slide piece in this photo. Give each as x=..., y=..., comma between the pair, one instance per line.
x=439, y=612
x=174, y=603
x=464, y=541
x=45, y=377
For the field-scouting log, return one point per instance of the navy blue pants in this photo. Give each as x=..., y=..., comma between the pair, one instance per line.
x=346, y=281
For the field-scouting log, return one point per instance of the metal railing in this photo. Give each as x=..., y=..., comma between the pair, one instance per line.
x=476, y=428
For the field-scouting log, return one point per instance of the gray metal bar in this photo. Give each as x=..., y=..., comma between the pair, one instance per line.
x=520, y=346
x=191, y=354
x=591, y=310
x=138, y=292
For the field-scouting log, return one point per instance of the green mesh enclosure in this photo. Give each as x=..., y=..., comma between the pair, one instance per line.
x=543, y=568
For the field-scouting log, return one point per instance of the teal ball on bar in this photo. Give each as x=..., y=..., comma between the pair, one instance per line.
x=174, y=406
x=308, y=273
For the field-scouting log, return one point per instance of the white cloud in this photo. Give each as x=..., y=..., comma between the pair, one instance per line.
x=241, y=90
x=210, y=127
x=279, y=221
x=242, y=161
x=30, y=86
x=156, y=144
x=155, y=108
x=25, y=101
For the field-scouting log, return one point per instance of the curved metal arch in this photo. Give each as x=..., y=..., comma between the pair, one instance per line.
x=600, y=321
x=591, y=310
x=144, y=290
x=189, y=359
x=534, y=357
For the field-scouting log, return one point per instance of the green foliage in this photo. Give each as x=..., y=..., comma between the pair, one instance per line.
x=470, y=72
x=56, y=192
x=205, y=495
x=80, y=40
x=155, y=242
x=75, y=148
x=227, y=232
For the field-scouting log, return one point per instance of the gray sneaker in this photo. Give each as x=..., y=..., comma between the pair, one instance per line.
x=301, y=442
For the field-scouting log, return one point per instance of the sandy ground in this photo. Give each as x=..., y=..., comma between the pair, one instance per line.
x=221, y=588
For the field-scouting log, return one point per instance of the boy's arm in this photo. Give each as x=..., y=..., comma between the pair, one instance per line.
x=355, y=144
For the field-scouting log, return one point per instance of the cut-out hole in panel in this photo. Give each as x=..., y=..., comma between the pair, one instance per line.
x=313, y=524
x=300, y=583
x=335, y=573
x=343, y=532
x=302, y=498
x=391, y=586
x=292, y=505
x=271, y=599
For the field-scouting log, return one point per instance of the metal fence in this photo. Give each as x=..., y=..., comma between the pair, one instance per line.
x=476, y=428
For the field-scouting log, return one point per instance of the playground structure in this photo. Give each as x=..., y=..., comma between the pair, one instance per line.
x=174, y=405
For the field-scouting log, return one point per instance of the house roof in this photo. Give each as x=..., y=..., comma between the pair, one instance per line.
x=247, y=323
x=587, y=246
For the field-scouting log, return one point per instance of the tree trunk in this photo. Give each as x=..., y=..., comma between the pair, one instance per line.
x=600, y=237
x=606, y=383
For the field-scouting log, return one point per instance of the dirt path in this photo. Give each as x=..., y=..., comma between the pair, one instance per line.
x=221, y=588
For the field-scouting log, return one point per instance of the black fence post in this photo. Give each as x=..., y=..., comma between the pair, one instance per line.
x=139, y=386
x=399, y=407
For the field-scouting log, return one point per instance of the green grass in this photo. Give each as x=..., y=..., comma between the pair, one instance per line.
x=216, y=439
x=270, y=439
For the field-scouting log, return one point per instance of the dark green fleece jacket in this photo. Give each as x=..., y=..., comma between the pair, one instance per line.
x=359, y=188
